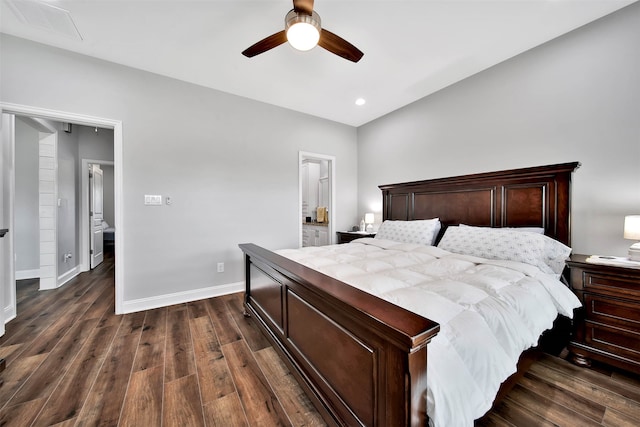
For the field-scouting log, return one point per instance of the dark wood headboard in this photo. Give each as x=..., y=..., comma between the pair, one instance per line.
x=529, y=197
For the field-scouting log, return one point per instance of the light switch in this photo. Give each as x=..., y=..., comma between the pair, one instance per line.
x=152, y=200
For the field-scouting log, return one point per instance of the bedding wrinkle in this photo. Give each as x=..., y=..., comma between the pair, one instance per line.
x=408, y=276
x=378, y=285
x=489, y=312
x=442, y=267
x=513, y=334
x=458, y=292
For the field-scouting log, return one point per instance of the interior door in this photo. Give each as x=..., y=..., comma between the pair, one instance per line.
x=96, y=215
x=7, y=266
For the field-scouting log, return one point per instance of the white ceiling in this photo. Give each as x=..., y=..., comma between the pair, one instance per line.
x=411, y=48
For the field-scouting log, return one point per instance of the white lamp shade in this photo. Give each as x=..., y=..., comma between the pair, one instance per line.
x=303, y=36
x=368, y=218
x=632, y=227
x=303, y=31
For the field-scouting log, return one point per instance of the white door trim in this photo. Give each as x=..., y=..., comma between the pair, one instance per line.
x=7, y=185
x=116, y=125
x=302, y=155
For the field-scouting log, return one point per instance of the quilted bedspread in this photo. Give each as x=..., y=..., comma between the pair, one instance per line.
x=489, y=312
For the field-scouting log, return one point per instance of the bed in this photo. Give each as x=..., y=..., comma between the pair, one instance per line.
x=361, y=358
x=108, y=234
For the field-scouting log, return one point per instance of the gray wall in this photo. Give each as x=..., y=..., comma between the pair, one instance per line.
x=26, y=211
x=94, y=145
x=576, y=98
x=230, y=164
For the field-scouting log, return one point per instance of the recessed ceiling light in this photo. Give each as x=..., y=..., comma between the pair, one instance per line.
x=360, y=101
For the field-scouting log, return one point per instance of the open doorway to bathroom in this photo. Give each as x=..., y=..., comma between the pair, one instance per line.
x=317, y=213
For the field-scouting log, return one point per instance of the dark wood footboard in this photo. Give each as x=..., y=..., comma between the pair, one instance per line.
x=362, y=360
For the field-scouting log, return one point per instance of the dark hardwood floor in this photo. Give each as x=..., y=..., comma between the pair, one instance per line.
x=72, y=362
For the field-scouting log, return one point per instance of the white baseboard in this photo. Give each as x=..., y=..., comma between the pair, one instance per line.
x=68, y=275
x=28, y=274
x=181, y=297
x=9, y=314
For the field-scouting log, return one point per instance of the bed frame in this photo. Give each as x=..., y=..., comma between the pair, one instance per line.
x=362, y=360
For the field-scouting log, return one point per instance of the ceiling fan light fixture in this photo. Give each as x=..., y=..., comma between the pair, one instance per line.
x=303, y=31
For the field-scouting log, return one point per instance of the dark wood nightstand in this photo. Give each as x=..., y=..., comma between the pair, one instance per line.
x=347, y=236
x=608, y=328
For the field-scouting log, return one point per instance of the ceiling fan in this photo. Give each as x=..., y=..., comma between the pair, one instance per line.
x=303, y=31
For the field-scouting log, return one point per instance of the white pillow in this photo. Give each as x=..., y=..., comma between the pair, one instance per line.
x=539, y=230
x=421, y=231
x=547, y=254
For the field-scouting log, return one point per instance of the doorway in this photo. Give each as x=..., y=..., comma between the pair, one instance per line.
x=108, y=223
x=7, y=280
x=316, y=199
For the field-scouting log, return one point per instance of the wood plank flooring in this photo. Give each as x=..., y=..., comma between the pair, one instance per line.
x=72, y=362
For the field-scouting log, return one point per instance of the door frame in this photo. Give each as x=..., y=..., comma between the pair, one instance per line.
x=7, y=183
x=305, y=155
x=84, y=211
x=118, y=163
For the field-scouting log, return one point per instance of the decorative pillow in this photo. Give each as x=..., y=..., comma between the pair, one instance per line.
x=422, y=231
x=538, y=230
x=547, y=254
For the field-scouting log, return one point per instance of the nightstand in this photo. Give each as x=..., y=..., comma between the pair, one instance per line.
x=347, y=236
x=607, y=329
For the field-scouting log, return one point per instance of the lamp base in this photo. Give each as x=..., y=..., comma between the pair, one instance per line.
x=634, y=252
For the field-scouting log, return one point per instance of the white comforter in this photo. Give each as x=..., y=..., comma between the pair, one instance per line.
x=489, y=312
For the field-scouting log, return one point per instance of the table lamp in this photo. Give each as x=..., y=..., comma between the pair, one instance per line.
x=369, y=219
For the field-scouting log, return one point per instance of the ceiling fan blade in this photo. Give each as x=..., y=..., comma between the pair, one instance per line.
x=339, y=46
x=303, y=6
x=266, y=44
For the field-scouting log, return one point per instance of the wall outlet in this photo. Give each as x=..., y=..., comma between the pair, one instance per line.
x=221, y=267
